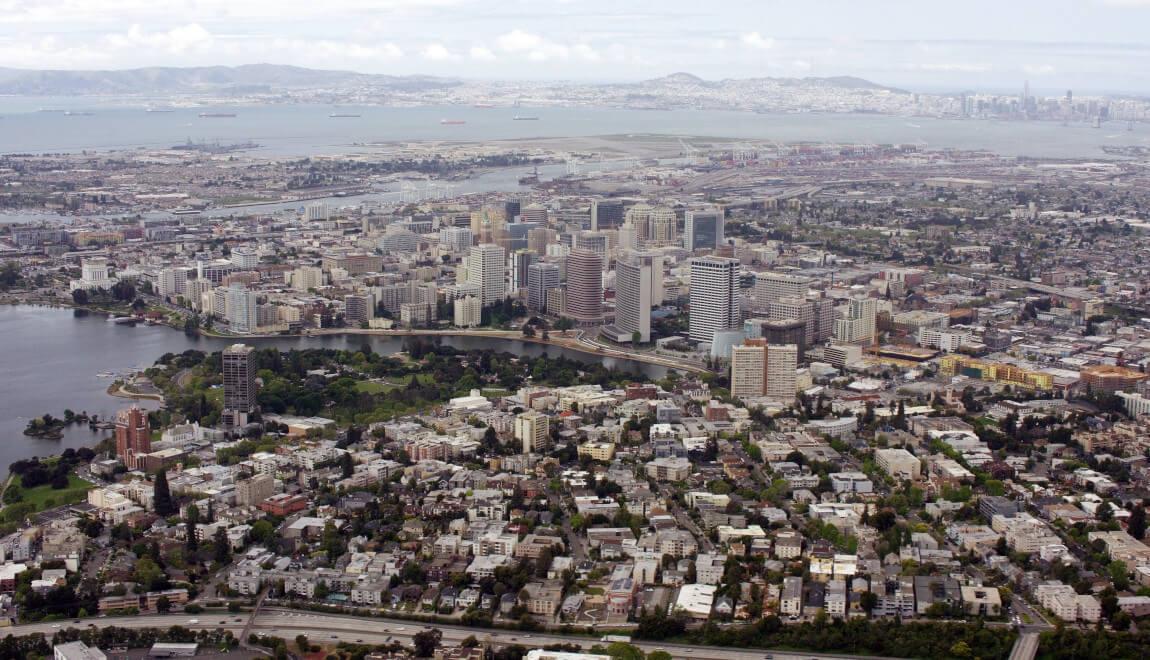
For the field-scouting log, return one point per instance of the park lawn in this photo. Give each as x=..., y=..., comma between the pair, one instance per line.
x=77, y=491
x=372, y=387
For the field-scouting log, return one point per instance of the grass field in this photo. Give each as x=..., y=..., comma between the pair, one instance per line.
x=374, y=387
x=40, y=496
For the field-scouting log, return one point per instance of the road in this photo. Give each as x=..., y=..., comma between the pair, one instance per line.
x=1026, y=647
x=331, y=628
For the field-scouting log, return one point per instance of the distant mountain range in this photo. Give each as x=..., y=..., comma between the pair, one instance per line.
x=246, y=79
x=255, y=79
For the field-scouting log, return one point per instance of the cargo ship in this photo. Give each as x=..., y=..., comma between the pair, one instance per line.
x=452, y=122
x=343, y=115
x=525, y=118
x=216, y=115
x=159, y=109
x=77, y=113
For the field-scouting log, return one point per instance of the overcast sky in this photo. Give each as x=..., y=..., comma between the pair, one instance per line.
x=1087, y=45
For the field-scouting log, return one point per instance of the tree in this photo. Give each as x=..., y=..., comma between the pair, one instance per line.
x=1119, y=575
x=162, y=496
x=163, y=604
x=223, y=546
x=868, y=600
x=1137, y=524
x=80, y=297
x=426, y=642
x=624, y=651
x=302, y=643
x=191, y=520
x=346, y=465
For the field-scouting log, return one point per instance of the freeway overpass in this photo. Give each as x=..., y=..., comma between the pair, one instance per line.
x=323, y=628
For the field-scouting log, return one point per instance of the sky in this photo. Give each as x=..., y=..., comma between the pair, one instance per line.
x=925, y=45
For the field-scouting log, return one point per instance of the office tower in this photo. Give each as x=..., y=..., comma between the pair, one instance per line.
x=656, y=262
x=859, y=325
x=531, y=428
x=468, y=312
x=770, y=287
x=626, y=240
x=584, y=287
x=664, y=226
x=793, y=308
x=171, y=282
x=639, y=217
x=703, y=229
x=541, y=277
x=714, y=297
x=633, y=289
x=521, y=261
x=489, y=224
x=534, y=213
x=606, y=214
x=245, y=258
x=538, y=238
x=133, y=435
x=455, y=239
x=358, y=308
x=590, y=241
x=748, y=368
x=239, y=367
x=511, y=209
x=240, y=309
x=785, y=332
x=781, y=378
x=823, y=320
x=486, y=268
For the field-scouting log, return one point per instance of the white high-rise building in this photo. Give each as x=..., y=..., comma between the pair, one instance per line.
x=782, y=372
x=171, y=282
x=714, y=297
x=639, y=217
x=664, y=226
x=771, y=287
x=468, y=312
x=748, y=368
x=317, y=212
x=94, y=275
x=532, y=429
x=859, y=324
x=241, y=309
x=306, y=278
x=456, y=239
x=245, y=258
x=627, y=238
x=486, y=267
x=633, y=289
x=541, y=276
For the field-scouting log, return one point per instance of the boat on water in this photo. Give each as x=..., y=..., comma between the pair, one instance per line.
x=216, y=115
x=343, y=115
x=452, y=122
x=483, y=105
x=159, y=109
x=525, y=118
x=123, y=320
x=78, y=113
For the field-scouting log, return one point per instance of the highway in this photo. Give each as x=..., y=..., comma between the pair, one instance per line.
x=331, y=628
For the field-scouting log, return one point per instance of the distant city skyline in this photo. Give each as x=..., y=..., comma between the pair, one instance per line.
x=1091, y=45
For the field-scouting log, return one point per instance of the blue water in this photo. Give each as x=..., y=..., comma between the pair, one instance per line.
x=300, y=130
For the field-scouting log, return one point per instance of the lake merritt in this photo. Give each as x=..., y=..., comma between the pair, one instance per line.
x=52, y=359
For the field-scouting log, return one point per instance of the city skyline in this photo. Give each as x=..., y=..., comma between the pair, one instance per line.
x=1093, y=45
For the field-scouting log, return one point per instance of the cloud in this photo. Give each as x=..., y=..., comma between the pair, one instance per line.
x=952, y=67
x=482, y=54
x=436, y=53
x=178, y=40
x=758, y=41
x=517, y=41
x=1038, y=69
